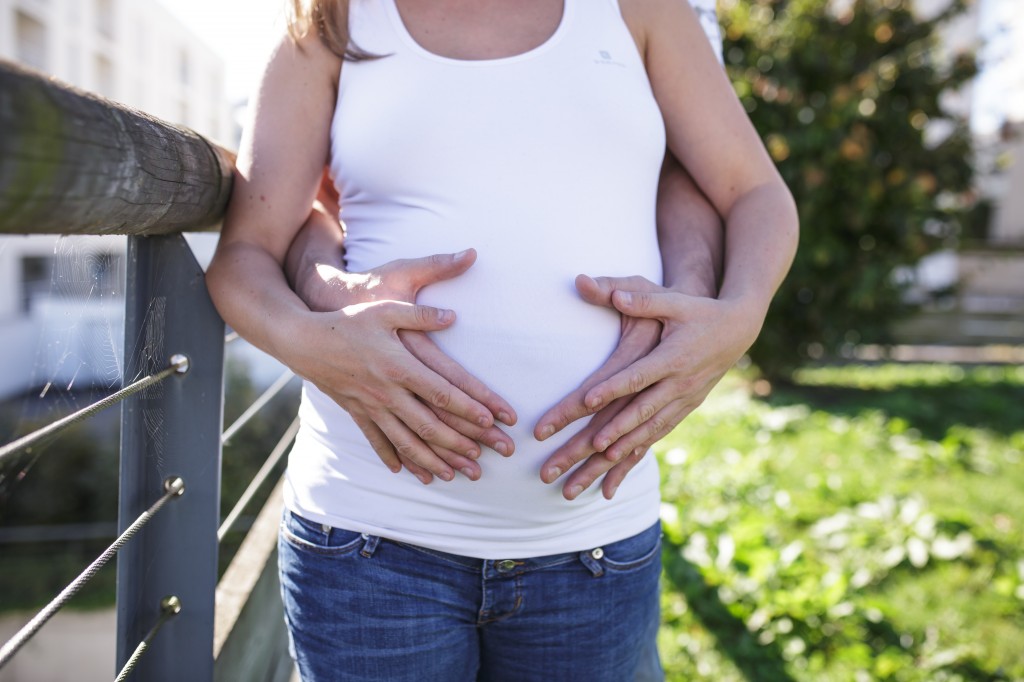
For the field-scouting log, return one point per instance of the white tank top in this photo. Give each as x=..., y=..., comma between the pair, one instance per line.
x=547, y=163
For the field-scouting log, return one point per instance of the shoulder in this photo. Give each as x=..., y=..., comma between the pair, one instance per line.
x=305, y=60
x=646, y=18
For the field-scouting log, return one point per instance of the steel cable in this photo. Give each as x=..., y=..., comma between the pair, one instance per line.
x=257, y=405
x=173, y=487
x=275, y=456
x=169, y=608
x=178, y=365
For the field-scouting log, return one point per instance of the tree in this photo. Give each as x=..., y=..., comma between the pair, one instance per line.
x=848, y=96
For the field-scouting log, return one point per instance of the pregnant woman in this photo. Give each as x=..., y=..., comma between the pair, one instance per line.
x=533, y=133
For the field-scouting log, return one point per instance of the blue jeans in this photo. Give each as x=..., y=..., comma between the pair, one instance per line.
x=361, y=607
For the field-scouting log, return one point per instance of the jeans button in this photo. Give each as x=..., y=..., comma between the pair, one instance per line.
x=505, y=566
x=597, y=554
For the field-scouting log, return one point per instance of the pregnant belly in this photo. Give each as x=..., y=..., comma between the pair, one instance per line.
x=532, y=340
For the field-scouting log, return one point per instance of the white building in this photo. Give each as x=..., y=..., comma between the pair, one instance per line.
x=61, y=299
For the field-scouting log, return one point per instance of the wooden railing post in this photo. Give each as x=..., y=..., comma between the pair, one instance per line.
x=75, y=163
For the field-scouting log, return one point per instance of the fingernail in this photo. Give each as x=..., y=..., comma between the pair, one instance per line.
x=505, y=418
x=501, y=448
x=445, y=316
x=446, y=475
x=547, y=431
x=574, y=491
x=461, y=254
x=468, y=473
x=611, y=493
x=625, y=298
x=602, y=445
x=473, y=453
x=554, y=473
x=484, y=421
x=639, y=452
x=424, y=479
x=594, y=403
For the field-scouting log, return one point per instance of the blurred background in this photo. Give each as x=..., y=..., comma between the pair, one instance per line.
x=846, y=506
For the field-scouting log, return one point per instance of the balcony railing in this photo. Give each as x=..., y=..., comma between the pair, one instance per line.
x=74, y=163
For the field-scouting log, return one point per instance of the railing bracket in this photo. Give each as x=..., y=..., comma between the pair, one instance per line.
x=175, y=484
x=170, y=605
x=180, y=363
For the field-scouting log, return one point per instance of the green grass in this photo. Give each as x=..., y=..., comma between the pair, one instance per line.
x=865, y=523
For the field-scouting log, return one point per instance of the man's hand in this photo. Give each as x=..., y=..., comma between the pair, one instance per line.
x=395, y=418
x=639, y=403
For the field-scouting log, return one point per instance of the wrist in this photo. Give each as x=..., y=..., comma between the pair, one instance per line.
x=317, y=284
x=692, y=285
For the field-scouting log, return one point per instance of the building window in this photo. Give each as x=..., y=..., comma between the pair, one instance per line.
x=35, y=278
x=74, y=62
x=184, y=68
x=104, y=76
x=105, y=18
x=30, y=36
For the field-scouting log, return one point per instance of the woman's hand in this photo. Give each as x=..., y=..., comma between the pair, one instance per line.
x=395, y=418
x=640, y=396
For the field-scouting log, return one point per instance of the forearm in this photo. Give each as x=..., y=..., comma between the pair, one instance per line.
x=761, y=236
x=314, y=257
x=250, y=291
x=689, y=233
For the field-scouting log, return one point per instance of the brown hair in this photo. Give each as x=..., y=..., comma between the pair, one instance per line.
x=329, y=18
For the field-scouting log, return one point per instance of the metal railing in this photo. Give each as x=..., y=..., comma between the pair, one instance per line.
x=74, y=163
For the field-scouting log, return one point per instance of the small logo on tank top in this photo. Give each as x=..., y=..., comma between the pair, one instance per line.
x=604, y=57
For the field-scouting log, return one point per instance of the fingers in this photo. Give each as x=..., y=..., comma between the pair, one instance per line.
x=491, y=436
x=410, y=447
x=637, y=341
x=598, y=290
x=569, y=409
x=633, y=379
x=427, y=352
x=386, y=451
x=419, y=472
x=596, y=467
x=652, y=430
x=579, y=447
x=421, y=420
x=629, y=450
x=404, y=369
x=464, y=465
x=645, y=409
x=379, y=442
x=658, y=305
x=401, y=315
x=617, y=473
x=419, y=272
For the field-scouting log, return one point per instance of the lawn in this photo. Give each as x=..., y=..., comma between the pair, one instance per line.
x=865, y=523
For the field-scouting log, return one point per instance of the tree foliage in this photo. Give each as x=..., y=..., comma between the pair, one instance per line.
x=848, y=96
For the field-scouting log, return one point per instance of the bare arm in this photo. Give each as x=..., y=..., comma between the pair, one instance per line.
x=700, y=338
x=354, y=355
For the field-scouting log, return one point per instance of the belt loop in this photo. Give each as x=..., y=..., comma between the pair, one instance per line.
x=370, y=546
x=592, y=564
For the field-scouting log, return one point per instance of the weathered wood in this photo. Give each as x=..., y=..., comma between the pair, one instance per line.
x=250, y=641
x=74, y=163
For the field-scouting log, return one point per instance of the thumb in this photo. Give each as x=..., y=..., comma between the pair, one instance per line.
x=400, y=315
x=599, y=290
x=419, y=272
x=655, y=305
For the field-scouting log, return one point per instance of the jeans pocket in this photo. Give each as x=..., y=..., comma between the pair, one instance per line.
x=311, y=536
x=633, y=552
